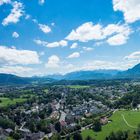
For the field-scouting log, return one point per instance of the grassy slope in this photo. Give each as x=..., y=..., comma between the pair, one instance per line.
x=132, y=117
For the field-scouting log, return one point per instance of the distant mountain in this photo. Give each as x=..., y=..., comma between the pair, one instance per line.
x=12, y=79
x=133, y=73
x=55, y=76
x=88, y=75
x=85, y=75
x=9, y=79
x=40, y=80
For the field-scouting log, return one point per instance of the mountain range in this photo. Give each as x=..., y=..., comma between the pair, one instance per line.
x=133, y=73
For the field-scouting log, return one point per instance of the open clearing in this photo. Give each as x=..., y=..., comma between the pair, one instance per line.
x=121, y=120
x=78, y=86
x=7, y=101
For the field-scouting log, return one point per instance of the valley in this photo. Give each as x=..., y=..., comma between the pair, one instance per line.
x=49, y=111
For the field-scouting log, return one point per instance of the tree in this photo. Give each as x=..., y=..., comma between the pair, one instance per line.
x=138, y=131
x=49, y=110
x=97, y=126
x=32, y=126
x=77, y=136
x=58, y=127
x=45, y=138
x=68, y=138
x=6, y=123
x=119, y=135
x=89, y=138
x=56, y=137
x=16, y=135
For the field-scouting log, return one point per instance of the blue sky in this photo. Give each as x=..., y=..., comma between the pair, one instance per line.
x=43, y=37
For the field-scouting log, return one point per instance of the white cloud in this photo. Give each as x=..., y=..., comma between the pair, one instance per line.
x=99, y=43
x=53, y=24
x=40, y=42
x=53, y=62
x=118, y=39
x=121, y=37
x=99, y=64
x=88, y=31
x=133, y=56
x=116, y=28
x=87, y=49
x=13, y=56
x=130, y=9
x=53, y=45
x=27, y=17
x=56, y=65
x=61, y=43
x=17, y=70
x=35, y=21
x=15, y=35
x=41, y=2
x=15, y=14
x=65, y=67
x=45, y=28
x=74, y=55
x=5, y=2
x=74, y=45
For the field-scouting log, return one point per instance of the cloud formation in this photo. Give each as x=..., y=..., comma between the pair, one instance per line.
x=74, y=55
x=61, y=43
x=130, y=9
x=4, y=2
x=15, y=35
x=112, y=33
x=87, y=49
x=74, y=46
x=41, y=2
x=44, y=28
x=53, y=62
x=15, y=14
x=133, y=56
x=17, y=70
x=12, y=56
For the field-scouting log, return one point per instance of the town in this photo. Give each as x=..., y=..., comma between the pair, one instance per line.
x=38, y=112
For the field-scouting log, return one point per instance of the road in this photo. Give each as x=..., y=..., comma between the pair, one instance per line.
x=62, y=116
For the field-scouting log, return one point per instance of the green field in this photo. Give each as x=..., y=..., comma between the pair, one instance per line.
x=118, y=123
x=6, y=101
x=78, y=86
x=46, y=91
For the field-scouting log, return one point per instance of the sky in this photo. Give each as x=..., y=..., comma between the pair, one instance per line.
x=41, y=37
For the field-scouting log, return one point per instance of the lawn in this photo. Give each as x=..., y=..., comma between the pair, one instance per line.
x=77, y=86
x=6, y=101
x=118, y=123
x=46, y=91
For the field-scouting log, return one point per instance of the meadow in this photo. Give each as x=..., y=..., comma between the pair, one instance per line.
x=78, y=86
x=120, y=120
x=4, y=102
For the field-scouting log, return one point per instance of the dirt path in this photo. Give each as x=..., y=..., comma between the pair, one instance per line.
x=128, y=123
